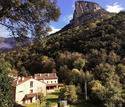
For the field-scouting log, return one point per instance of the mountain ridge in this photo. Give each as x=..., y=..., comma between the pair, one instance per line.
x=84, y=12
x=11, y=43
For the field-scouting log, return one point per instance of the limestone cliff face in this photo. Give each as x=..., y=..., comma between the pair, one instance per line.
x=85, y=10
x=84, y=7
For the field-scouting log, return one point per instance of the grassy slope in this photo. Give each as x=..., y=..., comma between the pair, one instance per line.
x=53, y=98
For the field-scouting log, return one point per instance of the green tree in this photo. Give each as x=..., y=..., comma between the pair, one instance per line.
x=75, y=74
x=121, y=72
x=48, y=64
x=6, y=95
x=84, y=75
x=79, y=63
x=22, y=17
x=110, y=80
x=42, y=98
x=97, y=91
x=23, y=71
x=69, y=92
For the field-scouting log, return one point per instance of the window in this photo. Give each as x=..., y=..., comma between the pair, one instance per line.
x=20, y=91
x=51, y=81
x=55, y=81
x=31, y=84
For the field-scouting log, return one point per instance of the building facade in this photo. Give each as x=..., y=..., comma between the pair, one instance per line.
x=27, y=90
x=51, y=80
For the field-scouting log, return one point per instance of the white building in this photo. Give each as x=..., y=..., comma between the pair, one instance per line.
x=50, y=79
x=27, y=90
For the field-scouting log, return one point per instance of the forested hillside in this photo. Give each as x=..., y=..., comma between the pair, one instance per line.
x=93, y=53
x=90, y=56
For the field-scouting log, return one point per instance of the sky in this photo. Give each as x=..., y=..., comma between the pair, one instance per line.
x=67, y=9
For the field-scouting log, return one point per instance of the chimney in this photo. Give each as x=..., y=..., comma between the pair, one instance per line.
x=19, y=78
x=35, y=77
x=23, y=78
x=55, y=74
x=48, y=74
x=17, y=82
x=31, y=76
x=54, y=70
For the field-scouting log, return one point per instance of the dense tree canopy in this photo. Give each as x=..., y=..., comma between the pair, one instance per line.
x=28, y=17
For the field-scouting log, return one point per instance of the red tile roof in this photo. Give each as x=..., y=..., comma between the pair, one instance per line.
x=20, y=80
x=45, y=76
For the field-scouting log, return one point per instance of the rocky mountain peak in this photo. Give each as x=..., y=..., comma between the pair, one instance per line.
x=86, y=11
x=83, y=7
